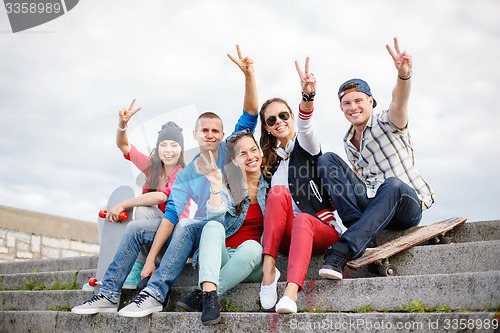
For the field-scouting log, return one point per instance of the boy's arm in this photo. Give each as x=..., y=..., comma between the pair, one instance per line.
x=162, y=234
x=398, y=110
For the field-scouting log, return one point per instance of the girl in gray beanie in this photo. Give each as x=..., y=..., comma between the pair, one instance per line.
x=160, y=169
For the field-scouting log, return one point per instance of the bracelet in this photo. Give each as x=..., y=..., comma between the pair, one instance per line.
x=122, y=129
x=308, y=97
x=405, y=78
x=215, y=192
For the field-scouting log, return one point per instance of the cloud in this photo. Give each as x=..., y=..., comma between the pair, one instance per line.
x=63, y=83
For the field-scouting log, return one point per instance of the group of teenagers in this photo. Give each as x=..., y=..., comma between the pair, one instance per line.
x=257, y=200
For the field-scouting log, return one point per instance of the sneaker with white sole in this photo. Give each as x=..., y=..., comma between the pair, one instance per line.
x=335, y=260
x=286, y=305
x=143, y=304
x=98, y=303
x=269, y=294
x=134, y=277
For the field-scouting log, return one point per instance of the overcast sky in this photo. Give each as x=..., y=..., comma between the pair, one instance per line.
x=62, y=84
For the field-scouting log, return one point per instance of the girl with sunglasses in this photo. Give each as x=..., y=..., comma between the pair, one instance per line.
x=301, y=221
x=230, y=251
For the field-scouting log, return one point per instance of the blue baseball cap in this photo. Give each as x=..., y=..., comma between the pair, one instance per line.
x=355, y=85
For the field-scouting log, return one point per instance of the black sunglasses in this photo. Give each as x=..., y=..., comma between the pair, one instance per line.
x=236, y=135
x=284, y=115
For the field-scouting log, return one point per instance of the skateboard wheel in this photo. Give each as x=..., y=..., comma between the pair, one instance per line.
x=102, y=213
x=92, y=282
x=387, y=269
x=447, y=240
x=123, y=216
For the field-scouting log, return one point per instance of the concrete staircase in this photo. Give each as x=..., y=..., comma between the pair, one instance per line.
x=452, y=288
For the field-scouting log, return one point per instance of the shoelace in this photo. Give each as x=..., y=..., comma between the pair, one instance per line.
x=334, y=258
x=139, y=299
x=95, y=298
x=208, y=301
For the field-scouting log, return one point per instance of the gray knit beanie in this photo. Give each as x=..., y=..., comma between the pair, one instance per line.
x=170, y=131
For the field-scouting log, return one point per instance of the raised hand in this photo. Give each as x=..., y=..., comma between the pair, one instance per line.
x=307, y=80
x=210, y=170
x=244, y=63
x=126, y=114
x=402, y=60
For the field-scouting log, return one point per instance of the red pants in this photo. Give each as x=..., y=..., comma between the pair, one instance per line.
x=296, y=236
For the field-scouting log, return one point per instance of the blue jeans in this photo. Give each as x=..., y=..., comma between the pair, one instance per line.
x=395, y=206
x=184, y=241
x=147, y=213
x=137, y=234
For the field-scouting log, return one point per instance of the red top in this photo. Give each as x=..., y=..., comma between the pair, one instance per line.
x=141, y=161
x=251, y=228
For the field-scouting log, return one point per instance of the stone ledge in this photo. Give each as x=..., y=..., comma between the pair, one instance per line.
x=48, y=225
x=55, y=322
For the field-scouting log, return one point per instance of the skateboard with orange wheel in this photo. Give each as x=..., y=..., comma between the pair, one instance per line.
x=110, y=234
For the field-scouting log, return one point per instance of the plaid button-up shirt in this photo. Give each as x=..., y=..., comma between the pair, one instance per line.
x=386, y=151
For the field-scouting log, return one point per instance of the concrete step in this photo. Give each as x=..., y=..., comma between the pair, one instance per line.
x=420, y=260
x=468, y=232
x=471, y=291
x=46, y=280
x=48, y=265
x=63, y=322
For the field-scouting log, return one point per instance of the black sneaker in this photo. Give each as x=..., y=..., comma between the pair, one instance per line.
x=335, y=259
x=191, y=302
x=211, y=308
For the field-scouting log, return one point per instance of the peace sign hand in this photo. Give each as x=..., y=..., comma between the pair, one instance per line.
x=126, y=114
x=307, y=80
x=402, y=60
x=244, y=63
x=210, y=170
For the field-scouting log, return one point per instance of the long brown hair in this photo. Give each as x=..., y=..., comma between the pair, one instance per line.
x=155, y=168
x=233, y=175
x=268, y=142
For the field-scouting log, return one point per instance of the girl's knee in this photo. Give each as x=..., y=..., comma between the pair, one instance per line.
x=253, y=250
x=303, y=220
x=213, y=226
x=134, y=227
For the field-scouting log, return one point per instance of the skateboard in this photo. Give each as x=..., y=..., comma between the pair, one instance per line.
x=435, y=233
x=110, y=234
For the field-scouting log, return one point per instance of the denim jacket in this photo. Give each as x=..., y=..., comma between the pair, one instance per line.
x=226, y=213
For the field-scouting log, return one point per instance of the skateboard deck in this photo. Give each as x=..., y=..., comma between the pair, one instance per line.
x=381, y=254
x=110, y=233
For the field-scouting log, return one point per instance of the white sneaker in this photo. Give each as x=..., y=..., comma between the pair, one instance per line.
x=98, y=303
x=286, y=305
x=142, y=305
x=269, y=294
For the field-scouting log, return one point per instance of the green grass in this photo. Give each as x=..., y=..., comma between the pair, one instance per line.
x=417, y=306
x=366, y=308
x=228, y=306
x=313, y=310
x=63, y=308
x=37, y=286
